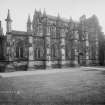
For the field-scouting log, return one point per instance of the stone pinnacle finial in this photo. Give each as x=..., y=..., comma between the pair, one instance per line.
x=0, y=23
x=35, y=11
x=58, y=16
x=70, y=19
x=40, y=12
x=29, y=20
x=1, y=29
x=8, y=16
x=44, y=12
x=8, y=22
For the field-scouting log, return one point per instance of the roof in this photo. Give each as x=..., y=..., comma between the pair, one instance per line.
x=14, y=32
x=55, y=18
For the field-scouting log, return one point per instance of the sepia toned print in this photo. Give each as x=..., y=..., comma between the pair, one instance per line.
x=52, y=52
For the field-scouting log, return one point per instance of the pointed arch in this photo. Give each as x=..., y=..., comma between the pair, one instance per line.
x=38, y=52
x=54, y=51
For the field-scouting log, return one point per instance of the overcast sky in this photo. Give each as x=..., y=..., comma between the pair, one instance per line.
x=20, y=9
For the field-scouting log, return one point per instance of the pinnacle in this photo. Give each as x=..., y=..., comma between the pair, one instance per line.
x=8, y=16
x=29, y=20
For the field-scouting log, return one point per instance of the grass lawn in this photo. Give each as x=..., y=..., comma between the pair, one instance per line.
x=73, y=87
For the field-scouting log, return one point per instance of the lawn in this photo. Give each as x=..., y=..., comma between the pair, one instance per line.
x=73, y=87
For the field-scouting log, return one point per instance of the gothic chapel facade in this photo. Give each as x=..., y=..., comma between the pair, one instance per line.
x=51, y=42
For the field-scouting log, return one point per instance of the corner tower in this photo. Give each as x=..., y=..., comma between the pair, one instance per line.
x=8, y=22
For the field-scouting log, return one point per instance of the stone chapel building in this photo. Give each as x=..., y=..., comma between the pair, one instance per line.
x=51, y=42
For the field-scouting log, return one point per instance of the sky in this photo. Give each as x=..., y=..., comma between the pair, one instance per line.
x=20, y=9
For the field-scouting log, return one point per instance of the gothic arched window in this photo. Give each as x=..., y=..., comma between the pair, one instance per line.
x=54, y=51
x=53, y=30
x=38, y=53
x=19, y=52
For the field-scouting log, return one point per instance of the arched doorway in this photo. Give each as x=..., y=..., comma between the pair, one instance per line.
x=80, y=58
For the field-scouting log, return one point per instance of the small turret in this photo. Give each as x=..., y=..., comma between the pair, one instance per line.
x=35, y=16
x=8, y=22
x=40, y=12
x=44, y=13
x=35, y=12
x=0, y=24
x=1, y=29
x=58, y=17
x=58, y=20
x=29, y=24
x=70, y=20
x=82, y=18
x=71, y=24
